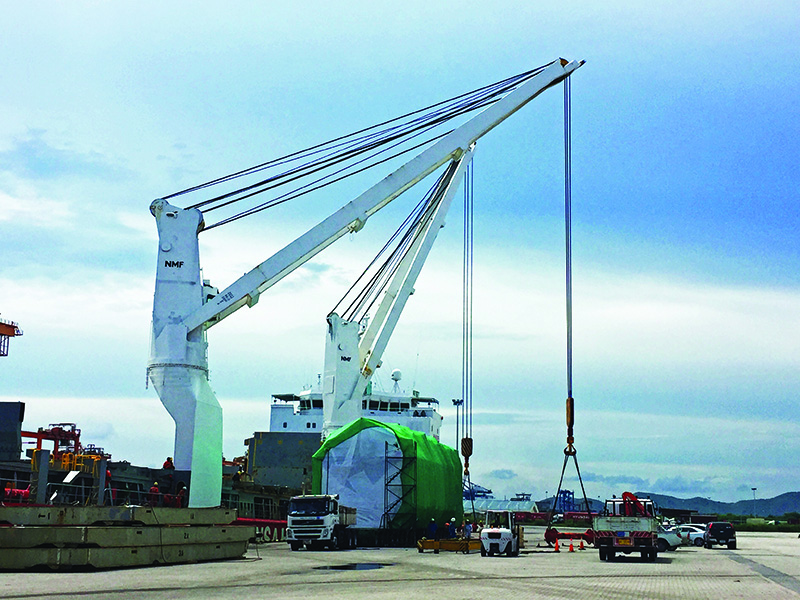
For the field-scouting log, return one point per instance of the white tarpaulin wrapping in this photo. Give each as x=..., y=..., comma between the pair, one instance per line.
x=356, y=470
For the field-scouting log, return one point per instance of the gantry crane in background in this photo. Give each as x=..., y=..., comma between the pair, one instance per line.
x=185, y=305
x=8, y=329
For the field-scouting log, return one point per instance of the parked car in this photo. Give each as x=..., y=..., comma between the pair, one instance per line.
x=692, y=534
x=720, y=532
x=668, y=539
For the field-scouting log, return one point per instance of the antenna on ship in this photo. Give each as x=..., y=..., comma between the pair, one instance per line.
x=397, y=375
x=569, y=451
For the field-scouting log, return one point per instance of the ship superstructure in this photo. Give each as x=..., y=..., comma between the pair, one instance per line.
x=303, y=412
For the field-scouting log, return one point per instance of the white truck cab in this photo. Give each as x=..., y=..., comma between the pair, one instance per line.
x=320, y=521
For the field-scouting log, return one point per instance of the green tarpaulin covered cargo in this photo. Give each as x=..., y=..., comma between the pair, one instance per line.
x=387, y=469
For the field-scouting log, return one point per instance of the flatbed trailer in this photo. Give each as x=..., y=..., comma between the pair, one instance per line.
x=456, y=545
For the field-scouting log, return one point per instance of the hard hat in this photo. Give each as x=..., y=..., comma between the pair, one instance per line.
x=433, y=520
x=155, y=483
x=453, y=520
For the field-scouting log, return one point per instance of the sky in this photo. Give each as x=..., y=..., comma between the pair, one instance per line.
x=685, y=251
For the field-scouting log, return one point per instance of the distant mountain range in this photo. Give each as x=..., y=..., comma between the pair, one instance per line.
x=763, y=507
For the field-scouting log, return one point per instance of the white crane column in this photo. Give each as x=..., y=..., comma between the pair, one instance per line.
x=178, y=367
x=342, y=371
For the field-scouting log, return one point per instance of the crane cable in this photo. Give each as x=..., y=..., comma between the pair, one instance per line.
x=466, y=355
x=569, y=451
x=330, y=162
x=375, y=278
x=462, y=103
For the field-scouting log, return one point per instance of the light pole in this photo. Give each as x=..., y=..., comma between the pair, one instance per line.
x=457, y=402
x=754, y=501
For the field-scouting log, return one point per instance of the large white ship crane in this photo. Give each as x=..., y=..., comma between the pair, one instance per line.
x=185, y=306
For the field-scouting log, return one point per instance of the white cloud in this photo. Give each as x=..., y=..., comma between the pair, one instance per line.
x=87, y=306
x=701, y=325
x=25, y=208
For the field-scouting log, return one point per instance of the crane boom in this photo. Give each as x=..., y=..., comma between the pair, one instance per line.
x=185, y=306
x=346, y=379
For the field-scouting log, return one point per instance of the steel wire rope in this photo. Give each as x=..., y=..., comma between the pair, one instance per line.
x=569, y=451
x=300, y=153
x=568, y=270
x=478, y=101
x=471, y=195
x=568, y=224
x=351, y=149
x=350, y=310
x=317, y=148
x=330, y=160
x=307, y=188
x=296, y=193
x=410, y=227
x=467, y=323
x=466, y=307
x=381, y=277
x=388, y=270
x=437, y=118
x=310, y=187
x=413, y=233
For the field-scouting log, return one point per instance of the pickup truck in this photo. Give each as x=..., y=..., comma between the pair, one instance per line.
x=626, y=525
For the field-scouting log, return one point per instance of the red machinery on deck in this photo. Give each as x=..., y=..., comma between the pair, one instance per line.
x=8, y=329
x=66, y=438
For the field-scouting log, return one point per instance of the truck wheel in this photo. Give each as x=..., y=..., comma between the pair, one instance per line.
x=731, y=545
x=602, y=553
x=662, y=545
x=652, y=556
x=483, y=550
x=610, y=554
x=296, y=546
x=334, y=543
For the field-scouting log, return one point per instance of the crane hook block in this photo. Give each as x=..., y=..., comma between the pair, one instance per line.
x=466, y=447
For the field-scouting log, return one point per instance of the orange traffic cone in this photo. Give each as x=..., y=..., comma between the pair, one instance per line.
x=557, y=550
x=571, y=549
x=581, y=546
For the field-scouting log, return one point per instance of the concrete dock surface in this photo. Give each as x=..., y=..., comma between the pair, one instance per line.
x=765, y=565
